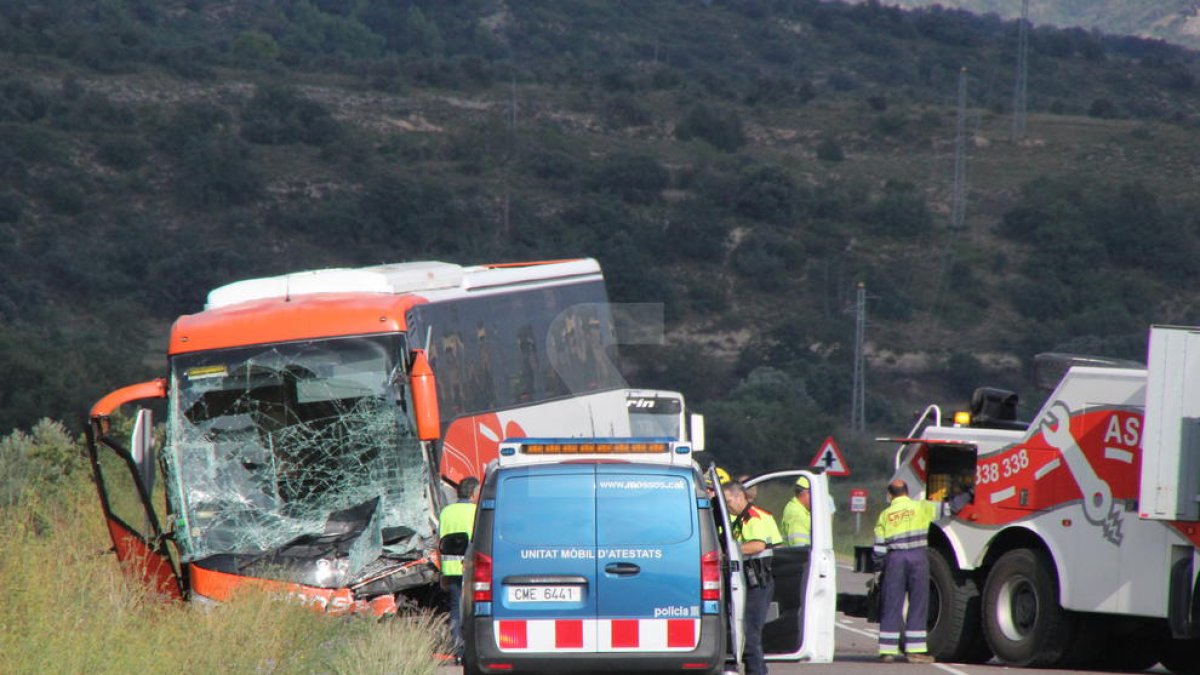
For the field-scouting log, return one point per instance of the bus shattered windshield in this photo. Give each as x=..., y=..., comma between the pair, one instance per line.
x=296, y=461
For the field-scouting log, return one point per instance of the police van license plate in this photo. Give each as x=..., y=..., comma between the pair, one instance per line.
x=545, y=593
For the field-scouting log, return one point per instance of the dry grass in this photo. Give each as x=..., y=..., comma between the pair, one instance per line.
x=66, y=608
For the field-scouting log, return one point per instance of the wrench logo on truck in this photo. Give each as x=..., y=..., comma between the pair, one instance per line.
x=1098, y=505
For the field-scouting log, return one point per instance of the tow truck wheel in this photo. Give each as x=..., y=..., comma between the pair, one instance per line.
x=1022, y=620
x=955, y=620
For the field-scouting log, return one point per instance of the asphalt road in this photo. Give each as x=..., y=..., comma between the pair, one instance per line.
x=857, y=650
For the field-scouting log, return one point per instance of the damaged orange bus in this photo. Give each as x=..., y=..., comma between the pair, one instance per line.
x=308, y=446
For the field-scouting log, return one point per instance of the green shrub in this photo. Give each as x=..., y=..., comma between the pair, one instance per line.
x=722, y=130
x=696, y=232
x=252, y=48
x=624, y=111
x=900, y=212
x=280, y=115
x=70, y=609
x=637, y=179
x=828, y=150
x=21, y=102
x=11, y=207
x=217, y=170
x=766, y=259
x=768, y=193
x=38, y=460
x=122, y=153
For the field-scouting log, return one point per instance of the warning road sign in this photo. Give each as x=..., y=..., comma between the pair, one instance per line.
x=830, y=457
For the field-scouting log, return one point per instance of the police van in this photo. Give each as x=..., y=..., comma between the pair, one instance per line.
x=606, y=554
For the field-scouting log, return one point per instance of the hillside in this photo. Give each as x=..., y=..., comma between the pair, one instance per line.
x=1175, y=21
x=744, y=163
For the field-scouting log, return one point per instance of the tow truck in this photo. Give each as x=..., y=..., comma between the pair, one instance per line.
x=1080, y=545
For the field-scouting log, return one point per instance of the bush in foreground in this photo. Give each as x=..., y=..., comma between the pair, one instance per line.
x=67, y=607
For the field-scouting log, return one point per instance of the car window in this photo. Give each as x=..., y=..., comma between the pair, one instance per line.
x=546, y=509
x=643, y=509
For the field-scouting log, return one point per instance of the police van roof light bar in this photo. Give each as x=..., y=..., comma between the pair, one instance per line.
x=546, y=450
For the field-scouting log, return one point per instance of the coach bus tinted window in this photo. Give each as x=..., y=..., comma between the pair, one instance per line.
x=624, y=500
x=547, y=509
x=500, y=350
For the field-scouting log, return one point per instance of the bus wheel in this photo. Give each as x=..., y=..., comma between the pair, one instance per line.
x=955, y=620
x=1022, y=620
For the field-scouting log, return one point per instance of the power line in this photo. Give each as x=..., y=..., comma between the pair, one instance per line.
x=858, y=397
x=958, y=211
x=1019, y=98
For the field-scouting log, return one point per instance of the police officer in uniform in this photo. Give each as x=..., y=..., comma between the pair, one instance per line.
x=797, y=515
x=756, y=532
x=455, y=518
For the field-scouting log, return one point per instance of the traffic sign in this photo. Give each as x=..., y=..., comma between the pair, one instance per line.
x=858, y=500
x=830, y=457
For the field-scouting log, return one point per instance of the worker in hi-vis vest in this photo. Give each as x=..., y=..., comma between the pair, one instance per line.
x=901, y=540
x=797, y=515
x=455, y=518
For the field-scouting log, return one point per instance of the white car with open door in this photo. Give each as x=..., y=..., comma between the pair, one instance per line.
x=800, y=621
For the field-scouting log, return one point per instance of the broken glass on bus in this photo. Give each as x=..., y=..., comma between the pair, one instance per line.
x=296, y=461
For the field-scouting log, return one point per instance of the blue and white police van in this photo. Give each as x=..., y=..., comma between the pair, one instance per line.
x=605, y=554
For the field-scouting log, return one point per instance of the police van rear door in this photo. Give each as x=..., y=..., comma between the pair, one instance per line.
x=800, y=621
x=544, y=559
x=648, y=559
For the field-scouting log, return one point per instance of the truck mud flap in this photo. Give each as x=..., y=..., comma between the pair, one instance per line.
x=852, y=604
x=1183, y=614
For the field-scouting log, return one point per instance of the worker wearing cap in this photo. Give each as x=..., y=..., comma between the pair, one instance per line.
x=455, y=518
x=797, y=515
x=756, y=533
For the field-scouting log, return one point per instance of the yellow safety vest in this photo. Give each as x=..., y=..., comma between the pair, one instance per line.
x=797, y=524
x=757, y=525
x=904, y=524
x=457, y=517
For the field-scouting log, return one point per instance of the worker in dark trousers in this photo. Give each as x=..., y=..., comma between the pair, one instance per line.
x=901, y=540
x=901, y=536
x=756, y=532
x=455, y=518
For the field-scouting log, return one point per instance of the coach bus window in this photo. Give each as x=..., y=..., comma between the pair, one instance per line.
x=524, y=347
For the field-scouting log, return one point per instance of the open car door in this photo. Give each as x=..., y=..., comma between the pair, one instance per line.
x=735, y=582
x=125, y=497
x=800, y=621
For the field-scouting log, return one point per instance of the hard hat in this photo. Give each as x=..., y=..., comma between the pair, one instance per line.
x=723, y=476
x=802, y=482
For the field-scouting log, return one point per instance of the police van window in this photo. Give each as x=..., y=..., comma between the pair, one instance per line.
x=547, y=509
x=642, y=509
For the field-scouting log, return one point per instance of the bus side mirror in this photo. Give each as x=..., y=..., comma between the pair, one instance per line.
x=424, y=397
x=141, y=446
